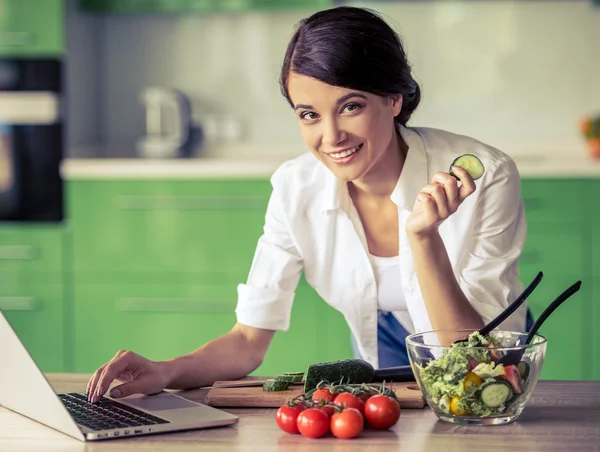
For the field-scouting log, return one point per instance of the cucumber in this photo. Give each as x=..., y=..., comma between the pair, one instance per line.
x=496, y=393
x=338, y=372
x=294, y=373
x=273, y=385
x=289, y=378
x=523, y=368
x=470, y=163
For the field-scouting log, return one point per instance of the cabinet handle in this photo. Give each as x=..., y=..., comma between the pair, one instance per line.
x=17, y=38
x=175, y=305
x=18, y=303
x=191, y=202
x=17, y=253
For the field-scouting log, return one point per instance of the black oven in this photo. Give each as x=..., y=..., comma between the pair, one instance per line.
x=31, y=140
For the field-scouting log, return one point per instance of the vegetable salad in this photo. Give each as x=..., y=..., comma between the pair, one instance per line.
x=466, y=380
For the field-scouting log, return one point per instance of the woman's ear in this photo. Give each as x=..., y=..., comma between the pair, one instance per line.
x=396, y=104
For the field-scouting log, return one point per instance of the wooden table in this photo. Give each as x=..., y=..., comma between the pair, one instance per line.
x=562, y=416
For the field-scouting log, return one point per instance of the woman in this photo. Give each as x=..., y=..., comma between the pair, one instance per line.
x=381, y=229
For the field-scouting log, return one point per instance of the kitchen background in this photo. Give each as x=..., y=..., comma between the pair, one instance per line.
x=134, y=247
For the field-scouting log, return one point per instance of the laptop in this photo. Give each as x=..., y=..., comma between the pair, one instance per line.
x=25, y=390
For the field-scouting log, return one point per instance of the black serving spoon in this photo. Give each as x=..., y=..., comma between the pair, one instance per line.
x=514, y=356
x=487, y=329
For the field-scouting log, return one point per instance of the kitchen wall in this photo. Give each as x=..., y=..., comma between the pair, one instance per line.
x=517, y=74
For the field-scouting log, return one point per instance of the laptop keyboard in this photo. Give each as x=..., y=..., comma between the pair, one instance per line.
x=106, y=414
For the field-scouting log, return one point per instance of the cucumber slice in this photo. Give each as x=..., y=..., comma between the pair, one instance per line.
x=471, y=163
x=294, y=373
x=496, y=393
x=273, y=385
x=289, y=378
x=523, y=368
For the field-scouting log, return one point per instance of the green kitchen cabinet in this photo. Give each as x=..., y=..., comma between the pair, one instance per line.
x=178, y=230
x=153, y=318
x=33, y=292
x=557, y=244
x=32, y=28
x=198, y=6
x=156, y=265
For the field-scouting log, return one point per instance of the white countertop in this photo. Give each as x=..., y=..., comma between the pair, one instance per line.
x=166, y=169
x=530, y=166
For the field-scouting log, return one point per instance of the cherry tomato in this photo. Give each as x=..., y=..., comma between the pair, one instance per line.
x=472, y=381
x=347, y=400
x=381, y=411
x=313, y=423
x=347, y=424
x=455, y=408
x=323, y=394
x=287, y=417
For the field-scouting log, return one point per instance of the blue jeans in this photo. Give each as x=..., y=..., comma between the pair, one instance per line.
x=391, y=339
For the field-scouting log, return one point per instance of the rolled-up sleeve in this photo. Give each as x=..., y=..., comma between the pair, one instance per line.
x=490, y=277
x=265, y=301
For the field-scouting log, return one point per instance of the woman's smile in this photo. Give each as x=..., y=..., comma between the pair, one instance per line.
x=344, y=156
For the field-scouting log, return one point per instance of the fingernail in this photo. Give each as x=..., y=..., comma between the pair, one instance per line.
x=115, y=393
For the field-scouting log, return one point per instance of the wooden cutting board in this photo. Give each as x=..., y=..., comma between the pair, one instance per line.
x=409, y=394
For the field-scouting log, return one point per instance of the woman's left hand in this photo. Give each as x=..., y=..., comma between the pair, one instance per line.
x=438, y=200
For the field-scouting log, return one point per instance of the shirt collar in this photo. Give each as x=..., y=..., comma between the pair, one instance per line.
x=415, y=173
x=413, y=178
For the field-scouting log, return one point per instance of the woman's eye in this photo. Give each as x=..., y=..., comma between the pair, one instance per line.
x=352, y=107
x=310, y=115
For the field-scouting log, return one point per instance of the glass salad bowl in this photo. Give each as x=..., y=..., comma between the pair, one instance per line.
x=465, y=383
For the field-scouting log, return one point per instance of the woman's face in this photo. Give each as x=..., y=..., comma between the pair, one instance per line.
x=348, y=130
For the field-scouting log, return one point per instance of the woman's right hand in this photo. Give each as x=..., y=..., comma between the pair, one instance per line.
x=140, y=375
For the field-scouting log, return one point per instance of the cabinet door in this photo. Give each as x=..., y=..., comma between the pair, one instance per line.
x=36, y=313
x=32, y=292
x=594, y=318
x=31, y=254
x=149, y=317
x=170, y=228
x=32, y=28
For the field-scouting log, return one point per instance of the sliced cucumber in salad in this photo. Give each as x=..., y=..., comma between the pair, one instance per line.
x=496, y=393
x=470, y=163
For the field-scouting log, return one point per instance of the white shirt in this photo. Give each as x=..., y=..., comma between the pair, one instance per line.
x=308, y=227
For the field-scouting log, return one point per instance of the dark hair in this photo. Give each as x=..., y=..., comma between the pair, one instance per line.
x=353, y=48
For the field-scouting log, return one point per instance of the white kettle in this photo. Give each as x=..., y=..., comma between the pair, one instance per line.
x=168, y=123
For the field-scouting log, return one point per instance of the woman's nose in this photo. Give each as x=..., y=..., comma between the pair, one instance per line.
x=333, y=134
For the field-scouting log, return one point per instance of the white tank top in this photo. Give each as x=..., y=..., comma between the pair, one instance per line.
x=390, y=296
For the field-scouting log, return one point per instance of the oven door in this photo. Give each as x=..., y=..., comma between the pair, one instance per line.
x=31, y=140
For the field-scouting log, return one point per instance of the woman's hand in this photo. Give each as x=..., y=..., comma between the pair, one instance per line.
x=139, y=374
x=438, y=200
